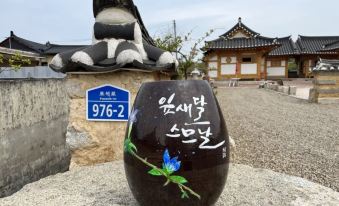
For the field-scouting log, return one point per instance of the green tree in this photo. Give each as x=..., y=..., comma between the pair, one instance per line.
x=1, y=59
x=187, y=60
x=15, y=61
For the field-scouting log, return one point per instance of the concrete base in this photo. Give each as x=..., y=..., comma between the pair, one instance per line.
x=106, y=185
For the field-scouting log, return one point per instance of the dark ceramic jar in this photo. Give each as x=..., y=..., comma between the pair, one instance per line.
x=176, y=147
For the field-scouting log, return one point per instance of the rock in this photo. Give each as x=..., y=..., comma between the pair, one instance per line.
x=286, y=90
x=274, y=87
x=280, y=82
x=313, y=96
x=106, y=185
x=281, y=89
x=76, y=139
x=293, y=90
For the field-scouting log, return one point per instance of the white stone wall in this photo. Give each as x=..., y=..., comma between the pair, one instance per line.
x=33, y=124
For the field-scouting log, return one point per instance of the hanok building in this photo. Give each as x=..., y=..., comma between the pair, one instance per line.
x=312, y=48
x=334, y=47
x=40, y=54
x=244, y=53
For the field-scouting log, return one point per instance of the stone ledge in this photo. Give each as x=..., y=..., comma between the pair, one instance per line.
x=328, y=100
x=325, y=82
x=106, y=185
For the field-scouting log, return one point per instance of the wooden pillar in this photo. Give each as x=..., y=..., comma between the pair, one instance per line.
x=265, y=69
x=286, y=67
x=258, y=60
x=219, y=67
x=238, y=67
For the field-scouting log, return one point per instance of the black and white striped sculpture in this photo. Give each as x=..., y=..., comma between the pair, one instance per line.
x=120, y=40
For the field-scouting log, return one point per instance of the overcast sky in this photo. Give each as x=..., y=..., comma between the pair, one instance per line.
x=71, y=21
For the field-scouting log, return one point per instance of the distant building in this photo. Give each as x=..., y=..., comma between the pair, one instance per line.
x=311, y=48
x=40, y=54
x=244, y=53
x=334, y=47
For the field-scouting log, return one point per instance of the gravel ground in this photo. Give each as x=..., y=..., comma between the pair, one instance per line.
x=106, y=185
x=283, y=134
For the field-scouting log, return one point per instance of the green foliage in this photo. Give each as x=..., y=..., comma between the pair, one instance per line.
x=202, y=67
x=178, y=179
x=155, y=172
x=292, y=65
x=17, y=61
x=169, y=43
x=188, y=61
x=130, y=147
x=184, y=195
x=1, y=59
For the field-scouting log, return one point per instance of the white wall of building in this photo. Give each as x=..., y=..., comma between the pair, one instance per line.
x=249, y=69
x=213, y=69
x=276, y=71
x=228, y=69
x=213, y=74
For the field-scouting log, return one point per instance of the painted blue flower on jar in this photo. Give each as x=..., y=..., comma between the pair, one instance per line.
x=170, y=165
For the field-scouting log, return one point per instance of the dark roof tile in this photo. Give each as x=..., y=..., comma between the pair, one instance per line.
x=239, y=43
x=27, y=45
x=240, y=26
x=287, y=47
x=315, y=44
x=331, y=47
x=56, y=49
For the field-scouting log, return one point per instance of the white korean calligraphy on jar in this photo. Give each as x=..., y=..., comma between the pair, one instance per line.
x=204, y=132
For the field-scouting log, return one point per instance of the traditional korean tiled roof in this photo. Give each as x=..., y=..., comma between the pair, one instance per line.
x=253, y=39
x=315, y=44
x=240, y=27
x=18, y=43
x=331, y=47
x=288, y=47
x=240, y=43
x=15, y=42
x=55, y=49
x=327, y=65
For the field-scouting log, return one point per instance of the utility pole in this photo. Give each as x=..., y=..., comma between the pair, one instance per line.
x=175, y=38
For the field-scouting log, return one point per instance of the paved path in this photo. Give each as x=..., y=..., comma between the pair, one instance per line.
x=283, y=133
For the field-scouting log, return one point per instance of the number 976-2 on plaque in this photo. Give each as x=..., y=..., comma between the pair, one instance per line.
x=107, y=103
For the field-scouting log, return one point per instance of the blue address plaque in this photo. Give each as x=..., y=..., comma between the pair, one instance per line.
x=107, y=103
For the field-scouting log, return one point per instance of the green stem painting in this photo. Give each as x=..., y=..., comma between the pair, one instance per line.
x=170, y=165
